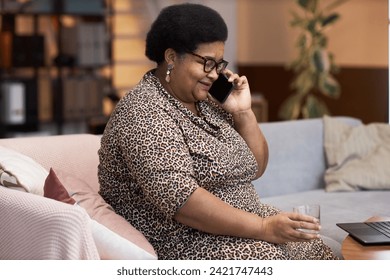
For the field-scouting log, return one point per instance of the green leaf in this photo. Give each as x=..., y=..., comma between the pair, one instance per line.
x=303, y=82
x=314, y=108
x=320, y=60
x=312, y=26
x=322, y=41
x=308, y=5
x=330, y=19
x=290, y=108
x=301, y=41
x=329, y=86
x=333, y=67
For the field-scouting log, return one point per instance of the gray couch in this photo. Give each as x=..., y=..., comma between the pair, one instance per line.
x=295, y=176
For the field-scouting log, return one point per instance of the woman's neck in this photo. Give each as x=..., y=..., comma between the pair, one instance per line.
x=160, y=73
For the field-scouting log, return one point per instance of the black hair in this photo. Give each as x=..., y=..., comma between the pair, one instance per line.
x=183, y=27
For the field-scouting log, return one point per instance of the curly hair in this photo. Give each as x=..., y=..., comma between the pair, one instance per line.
x=183, y=27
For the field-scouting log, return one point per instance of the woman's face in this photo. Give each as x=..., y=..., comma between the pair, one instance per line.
x=189, y=82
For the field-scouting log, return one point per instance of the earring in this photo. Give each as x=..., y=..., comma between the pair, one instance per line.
x=168, y=77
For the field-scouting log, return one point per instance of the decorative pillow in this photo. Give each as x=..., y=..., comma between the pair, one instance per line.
x=21, y=172
x=8, y=180
x=55, y=190
x=115, y=238
x=358, y=157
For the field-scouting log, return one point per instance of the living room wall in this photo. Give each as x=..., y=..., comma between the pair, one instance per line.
x=359, y=41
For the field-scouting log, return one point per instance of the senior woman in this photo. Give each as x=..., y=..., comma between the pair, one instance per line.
x=178, y=165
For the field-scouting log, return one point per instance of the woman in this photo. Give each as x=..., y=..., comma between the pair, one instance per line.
x=178, y=165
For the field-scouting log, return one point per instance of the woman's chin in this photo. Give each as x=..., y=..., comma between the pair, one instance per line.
x=201, y=95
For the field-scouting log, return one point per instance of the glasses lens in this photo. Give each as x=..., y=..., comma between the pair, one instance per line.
x=221, y=66
x=209, y=65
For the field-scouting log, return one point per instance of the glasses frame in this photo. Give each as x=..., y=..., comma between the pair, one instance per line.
x=224, y=63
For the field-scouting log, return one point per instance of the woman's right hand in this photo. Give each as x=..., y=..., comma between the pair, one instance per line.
x=285, y=227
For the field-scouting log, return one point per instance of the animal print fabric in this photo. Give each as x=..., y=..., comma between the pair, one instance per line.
x=155, y=153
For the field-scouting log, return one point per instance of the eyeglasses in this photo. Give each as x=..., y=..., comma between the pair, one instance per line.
x=209, y=64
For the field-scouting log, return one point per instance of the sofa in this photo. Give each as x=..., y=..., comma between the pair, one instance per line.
x=54, y=198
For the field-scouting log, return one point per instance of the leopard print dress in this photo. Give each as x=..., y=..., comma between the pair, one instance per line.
x=155, y=153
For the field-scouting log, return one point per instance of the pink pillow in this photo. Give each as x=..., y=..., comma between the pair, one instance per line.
x=55, y=190
x=67, y=188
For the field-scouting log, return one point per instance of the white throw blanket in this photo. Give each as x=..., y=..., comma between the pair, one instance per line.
x=43, y=229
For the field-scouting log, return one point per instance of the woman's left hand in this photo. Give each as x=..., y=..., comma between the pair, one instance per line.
x=239, y=99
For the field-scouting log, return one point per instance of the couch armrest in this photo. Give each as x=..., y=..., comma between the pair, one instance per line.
x=35, y=227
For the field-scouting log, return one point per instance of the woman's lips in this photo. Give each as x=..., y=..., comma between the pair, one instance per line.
x=205, y=85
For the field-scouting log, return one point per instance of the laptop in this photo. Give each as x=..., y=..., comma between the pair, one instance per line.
x=368, y=233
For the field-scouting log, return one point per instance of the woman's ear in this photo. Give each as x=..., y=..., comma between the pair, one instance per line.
x=170, y=56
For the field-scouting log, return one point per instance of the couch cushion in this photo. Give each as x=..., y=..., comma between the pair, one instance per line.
x=296, y=156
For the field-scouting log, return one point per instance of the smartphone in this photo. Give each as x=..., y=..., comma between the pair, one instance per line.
x=221, y=88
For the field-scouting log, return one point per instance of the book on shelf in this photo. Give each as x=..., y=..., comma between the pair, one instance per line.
x=70, y=101
x=13, y=103
x=93, y=90
x=100, y=43
x=82, y=97
x=45, y=99
x=87, y=43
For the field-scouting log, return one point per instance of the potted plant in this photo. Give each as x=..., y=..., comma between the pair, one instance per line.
x=314, y=67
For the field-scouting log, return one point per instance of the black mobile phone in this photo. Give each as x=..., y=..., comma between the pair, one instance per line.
x=221, y=88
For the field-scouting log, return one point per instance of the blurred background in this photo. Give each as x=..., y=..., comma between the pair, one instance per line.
x=65, y=63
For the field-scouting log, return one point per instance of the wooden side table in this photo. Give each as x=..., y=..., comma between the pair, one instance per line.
x=353, y=250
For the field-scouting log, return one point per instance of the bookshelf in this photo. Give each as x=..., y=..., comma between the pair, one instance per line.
x=55, y=64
